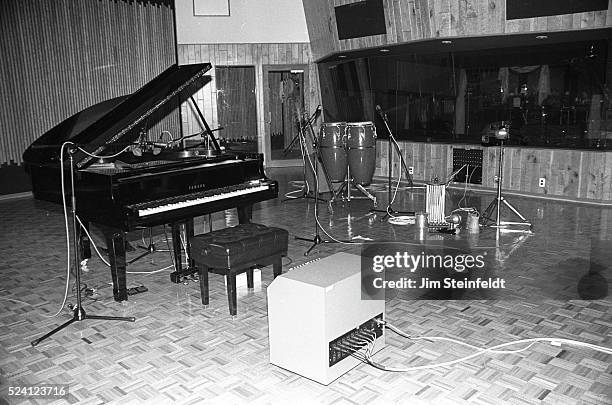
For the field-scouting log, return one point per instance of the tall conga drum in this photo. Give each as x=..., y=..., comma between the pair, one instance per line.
x=332, y=149
x=361, y=146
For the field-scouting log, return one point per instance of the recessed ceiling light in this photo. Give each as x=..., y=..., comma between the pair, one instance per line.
x=384, y=50
x=542, y=37
x=342, y=56
x=447, y=42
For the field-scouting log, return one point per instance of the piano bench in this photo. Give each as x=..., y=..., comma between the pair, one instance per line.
x=235, y=250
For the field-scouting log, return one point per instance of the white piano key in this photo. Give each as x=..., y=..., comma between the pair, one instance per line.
x=189, y=203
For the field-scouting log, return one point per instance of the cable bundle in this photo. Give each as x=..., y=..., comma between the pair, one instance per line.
x=366, y=355
x=435, y=203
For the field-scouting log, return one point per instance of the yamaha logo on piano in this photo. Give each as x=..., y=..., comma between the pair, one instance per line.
x=200, y=186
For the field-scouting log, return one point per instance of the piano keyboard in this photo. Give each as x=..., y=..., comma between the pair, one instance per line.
x=156, y=207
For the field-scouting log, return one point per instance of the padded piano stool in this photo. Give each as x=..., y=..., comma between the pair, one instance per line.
x=235, y=250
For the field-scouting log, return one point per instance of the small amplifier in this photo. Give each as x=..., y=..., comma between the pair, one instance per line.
x=317, y=318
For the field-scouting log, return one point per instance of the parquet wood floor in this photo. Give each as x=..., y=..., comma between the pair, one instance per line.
x=179, y=352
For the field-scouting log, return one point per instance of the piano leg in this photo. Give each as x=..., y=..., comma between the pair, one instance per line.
x=176, y=247
x=245, y=213
x=115, y=242
x=179, y=272
x=189, y=232
x=84, y=243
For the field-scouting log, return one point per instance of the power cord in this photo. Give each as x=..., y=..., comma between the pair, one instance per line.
x=128, y=272
x=480, y=350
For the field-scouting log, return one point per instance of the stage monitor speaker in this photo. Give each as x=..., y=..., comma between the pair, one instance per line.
x=314, y=311
x=360, y=19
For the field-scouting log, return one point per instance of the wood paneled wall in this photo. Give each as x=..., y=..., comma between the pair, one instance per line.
x=248, y=54
x=410, y=20
x=62, y=56
x=571, y=174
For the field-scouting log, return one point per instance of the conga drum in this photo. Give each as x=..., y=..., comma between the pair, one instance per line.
x=361, y=146
x=332, y=149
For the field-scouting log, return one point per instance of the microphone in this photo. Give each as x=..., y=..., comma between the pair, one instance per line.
x=136, y=150
x=159, y=144
x=317, y=112
x=381, y=113
x=138, y=147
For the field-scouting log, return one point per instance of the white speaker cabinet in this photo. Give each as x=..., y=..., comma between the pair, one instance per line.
x=313, y=307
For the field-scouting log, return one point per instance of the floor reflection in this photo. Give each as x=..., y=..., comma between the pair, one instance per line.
x=536, y=266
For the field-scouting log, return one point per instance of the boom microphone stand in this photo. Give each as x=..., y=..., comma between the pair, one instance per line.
x=79, y=313
x=317, y=240
x=389, y=211
x=297, y=137
x=302, y=138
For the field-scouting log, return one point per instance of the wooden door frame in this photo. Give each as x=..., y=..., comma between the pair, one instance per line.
x=267, y=136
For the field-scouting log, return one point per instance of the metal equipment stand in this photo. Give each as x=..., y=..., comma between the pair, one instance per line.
x=389, y=211
x=79, y=313
x=347, y=183
x=302, y=139
x=317, y=240
x=149, y=249
x=486, y=218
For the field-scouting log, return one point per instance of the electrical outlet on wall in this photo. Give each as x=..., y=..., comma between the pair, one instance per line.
x=410, y=169
x=542, y=182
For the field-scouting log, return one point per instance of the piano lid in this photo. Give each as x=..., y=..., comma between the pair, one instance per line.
x=113, y=121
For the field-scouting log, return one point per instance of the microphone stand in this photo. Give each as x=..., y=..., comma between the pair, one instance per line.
x=302, y=137
x=499, y=199
x=79, y=313
x=313, y=118
x=317, y=240
x=389, y=211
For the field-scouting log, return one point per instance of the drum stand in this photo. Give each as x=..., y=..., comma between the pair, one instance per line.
x=347, y=183
x=499, y=199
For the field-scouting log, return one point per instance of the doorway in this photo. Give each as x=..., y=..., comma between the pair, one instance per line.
x=285, y=109
x=237, y=107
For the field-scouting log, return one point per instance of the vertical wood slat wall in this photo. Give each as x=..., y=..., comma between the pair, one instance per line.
x=62, y=56
x=409, y=20
x=579, y=175
x=244, y=54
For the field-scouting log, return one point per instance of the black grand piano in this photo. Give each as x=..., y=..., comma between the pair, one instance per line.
x=145, y=183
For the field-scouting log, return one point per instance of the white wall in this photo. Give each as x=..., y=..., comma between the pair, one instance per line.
x=250, y=21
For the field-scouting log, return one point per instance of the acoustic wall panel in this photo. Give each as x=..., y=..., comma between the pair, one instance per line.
x=360, y=19
x=516, y=9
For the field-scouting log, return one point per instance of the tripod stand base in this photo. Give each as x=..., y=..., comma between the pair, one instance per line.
x=315, y=241
x=304, y=196
x=347, y=185
x=80, y=315
x=148, y=250
x=391, y=211
x=498, y=223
